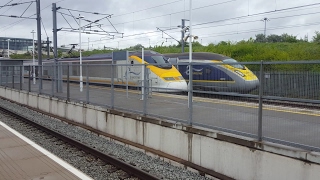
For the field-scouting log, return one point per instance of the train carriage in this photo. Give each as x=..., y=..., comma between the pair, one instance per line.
x=161, y=76
x=215, y=72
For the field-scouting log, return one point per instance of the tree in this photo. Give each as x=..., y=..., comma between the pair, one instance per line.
x=260, y=38
x=272, y=38
x=137, y=47
x=289, y=38
x=316, y=37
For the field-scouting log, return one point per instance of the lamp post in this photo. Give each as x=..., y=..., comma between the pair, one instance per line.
x=81, y=78
x=8, y=48
x=265, y=26
x=33, y=60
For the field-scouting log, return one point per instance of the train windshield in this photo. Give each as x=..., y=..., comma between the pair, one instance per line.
x=239, y=66
x=158, y=61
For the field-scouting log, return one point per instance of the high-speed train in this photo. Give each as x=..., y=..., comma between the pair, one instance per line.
x=215, y=72
x=161, y=76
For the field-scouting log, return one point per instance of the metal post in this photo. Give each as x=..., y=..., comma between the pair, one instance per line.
x=190, y=94
x=127, y=75
x=48, y=48
x=68, y=83
x=145, y=89
x=39, y=44
x=39, y=79
x=182, y=35
x=190, y=68
x=21, y=68
x=142, y=76
x=33, y=60
x=7, y=76
x=112, y=81
x=12, y=77
x=87, y=84
x=29, y=80
x=57, y=76
x=260, y=102
x=1, y=76
x=8, y=48
x=81, y=78
x=52, y=84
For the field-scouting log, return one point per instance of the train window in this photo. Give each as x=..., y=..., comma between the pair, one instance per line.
x=156, y=59
x=227, y=61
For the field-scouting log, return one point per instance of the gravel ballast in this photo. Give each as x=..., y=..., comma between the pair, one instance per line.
x=155, y=166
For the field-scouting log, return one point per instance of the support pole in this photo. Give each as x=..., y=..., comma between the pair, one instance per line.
x=33, y=60
x=48, y=48
x=260, y=102
x=39, y=44
x=57, y=77
x=127, y=74
x=80, y=51
x=142, y=76
x=68, y=82
x=87, y=84
x=182, y=34
x=112, y=81
x=190, y=93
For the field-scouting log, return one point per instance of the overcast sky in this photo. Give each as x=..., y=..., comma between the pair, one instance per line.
x=138, y=20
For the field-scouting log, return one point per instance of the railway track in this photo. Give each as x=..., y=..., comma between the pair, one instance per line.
x=122, y=169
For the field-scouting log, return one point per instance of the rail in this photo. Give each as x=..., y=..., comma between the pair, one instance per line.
x=136, y=172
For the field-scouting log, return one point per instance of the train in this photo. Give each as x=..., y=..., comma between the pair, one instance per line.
x=215, y=72
x=160, y=75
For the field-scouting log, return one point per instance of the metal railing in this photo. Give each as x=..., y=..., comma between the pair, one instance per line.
x=282, y=109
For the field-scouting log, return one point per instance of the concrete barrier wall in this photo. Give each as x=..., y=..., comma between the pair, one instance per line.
x=209, y=149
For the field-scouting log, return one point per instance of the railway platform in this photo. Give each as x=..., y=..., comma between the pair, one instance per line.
x=20, y=158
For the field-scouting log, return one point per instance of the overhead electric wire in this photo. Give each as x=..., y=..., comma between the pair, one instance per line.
x=258, y=30
x=44, y=28
x=74, y=17
x=15, y=4
x=174, y=12
x=6, y=3
x=26, y=9
x=90, y=23
x=86, y=12
x=17, y=22
x=234, y=23
x=146, y=8
x=66, y=20
x=13, y=16
x=9, y=8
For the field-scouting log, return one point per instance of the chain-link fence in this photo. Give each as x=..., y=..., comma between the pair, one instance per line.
x=282, y=107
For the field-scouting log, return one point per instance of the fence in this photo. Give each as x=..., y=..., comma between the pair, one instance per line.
x=259, y=114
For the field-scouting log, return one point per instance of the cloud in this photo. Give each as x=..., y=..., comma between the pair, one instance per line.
x=213, y=21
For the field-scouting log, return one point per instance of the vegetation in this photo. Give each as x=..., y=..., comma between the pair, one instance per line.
x=271, y=48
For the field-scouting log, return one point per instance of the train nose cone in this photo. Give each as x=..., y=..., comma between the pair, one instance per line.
x=177, y=86
x=251, y=85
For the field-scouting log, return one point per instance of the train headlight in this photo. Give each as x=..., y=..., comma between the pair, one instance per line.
x=239, y=73
x=169, y=78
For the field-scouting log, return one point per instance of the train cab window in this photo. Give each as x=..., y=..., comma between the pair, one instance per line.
x=159, y=61
x=239, y=66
